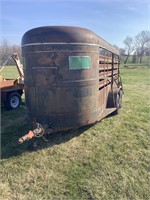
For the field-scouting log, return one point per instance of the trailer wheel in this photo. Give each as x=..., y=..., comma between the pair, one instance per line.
x=120, y=98
x=13, y=101
x=118, y=103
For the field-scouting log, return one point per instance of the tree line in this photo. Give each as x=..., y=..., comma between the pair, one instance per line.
x=137, y=46
x=6, y=50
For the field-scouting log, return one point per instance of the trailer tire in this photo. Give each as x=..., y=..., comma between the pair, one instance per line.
x=118, y=102
x=13, y=101
x=120, y=98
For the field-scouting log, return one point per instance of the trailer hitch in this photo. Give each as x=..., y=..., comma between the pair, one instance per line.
x=37, y=132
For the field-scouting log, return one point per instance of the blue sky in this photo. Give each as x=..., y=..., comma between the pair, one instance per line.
x=113, y=20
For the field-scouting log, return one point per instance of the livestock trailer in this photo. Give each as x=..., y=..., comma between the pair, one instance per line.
x=72, y=78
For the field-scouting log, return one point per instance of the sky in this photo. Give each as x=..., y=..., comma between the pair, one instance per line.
x=113, y=20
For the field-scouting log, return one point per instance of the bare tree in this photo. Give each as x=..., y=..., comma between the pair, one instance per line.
x=134, y=57
x=142, y=43
x=116, y=47
x=129, y=47
x=147, y=51
x=122, y=53
x=6, y=49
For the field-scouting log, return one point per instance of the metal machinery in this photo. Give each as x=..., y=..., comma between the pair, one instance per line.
x=12, y=89
x=72, y=78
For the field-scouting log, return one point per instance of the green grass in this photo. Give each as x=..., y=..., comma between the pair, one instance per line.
x=106, y=161
x=10, y=72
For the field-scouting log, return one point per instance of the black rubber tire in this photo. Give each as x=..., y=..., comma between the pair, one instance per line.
x=118, y=102
x=120, y=98
x=13, y=101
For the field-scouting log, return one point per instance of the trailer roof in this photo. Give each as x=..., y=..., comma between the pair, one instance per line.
x=65, y=34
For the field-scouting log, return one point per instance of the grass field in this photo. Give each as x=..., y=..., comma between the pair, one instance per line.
x=106, y=161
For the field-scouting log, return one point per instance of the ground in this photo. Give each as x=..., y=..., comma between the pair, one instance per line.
x=108, y=160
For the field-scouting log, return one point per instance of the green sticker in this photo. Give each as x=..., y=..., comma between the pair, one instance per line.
x=24, y=62
x=79, y=62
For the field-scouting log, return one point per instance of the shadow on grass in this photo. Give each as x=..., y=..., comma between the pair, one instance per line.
x=11, y=134
x=15, y=125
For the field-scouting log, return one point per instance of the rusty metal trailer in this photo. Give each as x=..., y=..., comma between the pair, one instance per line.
x=72, y=78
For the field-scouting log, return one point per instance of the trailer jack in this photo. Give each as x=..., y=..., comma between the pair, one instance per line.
x=37, y=132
